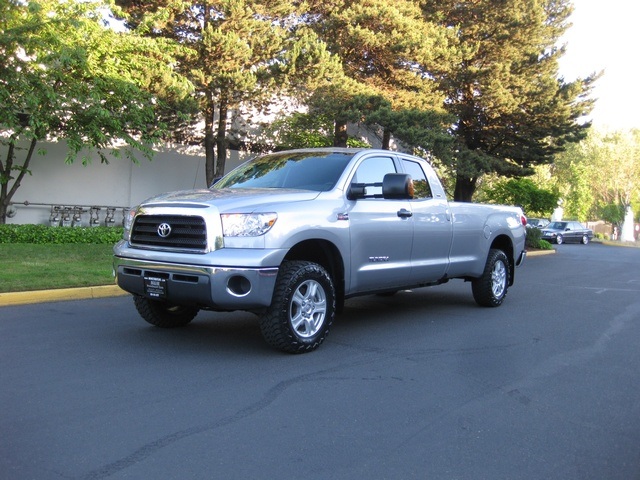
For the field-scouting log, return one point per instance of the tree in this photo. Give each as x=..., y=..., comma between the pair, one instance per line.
x=64, y=75
x=535, y=201
x=573, y=178
x=513, y=111
x=386, y=50
x=300, y=130
x=600, y=174
x=617, y=167
x=239, y=52
x=426, y=130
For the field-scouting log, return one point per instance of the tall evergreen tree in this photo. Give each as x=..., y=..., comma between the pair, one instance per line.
x=386, y=50
x=241, y=51
x=513, y=110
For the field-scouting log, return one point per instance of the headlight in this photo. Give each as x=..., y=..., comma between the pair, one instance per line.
x=247, y=224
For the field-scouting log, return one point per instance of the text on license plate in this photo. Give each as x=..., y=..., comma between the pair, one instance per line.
x=155, y=287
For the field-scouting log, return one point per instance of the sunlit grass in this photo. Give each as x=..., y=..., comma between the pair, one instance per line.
x=26, y=267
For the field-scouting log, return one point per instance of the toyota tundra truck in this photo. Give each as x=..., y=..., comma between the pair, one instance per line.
x=292, y=235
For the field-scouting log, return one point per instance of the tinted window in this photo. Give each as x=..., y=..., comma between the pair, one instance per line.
x=306, y=170
x=420, y=183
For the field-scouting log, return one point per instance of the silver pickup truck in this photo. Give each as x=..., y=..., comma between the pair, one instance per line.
x=291, y=235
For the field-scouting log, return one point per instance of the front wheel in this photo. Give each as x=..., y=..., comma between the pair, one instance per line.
x=490, y=289
x=302, y=309
x=559, y=239
x=163, y=314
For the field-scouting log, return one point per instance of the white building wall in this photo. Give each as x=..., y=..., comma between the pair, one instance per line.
x=120, y=184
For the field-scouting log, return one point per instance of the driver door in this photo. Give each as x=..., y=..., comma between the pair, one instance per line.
x=381, y=232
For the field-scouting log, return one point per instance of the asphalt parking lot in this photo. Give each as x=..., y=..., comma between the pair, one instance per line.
x=423, y=384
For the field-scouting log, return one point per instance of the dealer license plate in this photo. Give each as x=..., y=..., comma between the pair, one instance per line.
x=155, y=287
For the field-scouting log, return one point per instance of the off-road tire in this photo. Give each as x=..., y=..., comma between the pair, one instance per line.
x=490, y=289
x=302, y=309
x=163, y=314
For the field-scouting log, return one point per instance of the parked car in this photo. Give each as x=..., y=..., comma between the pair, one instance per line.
x=567, y=232
x=537, y=222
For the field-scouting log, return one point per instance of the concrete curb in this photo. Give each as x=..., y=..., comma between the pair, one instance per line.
x=62, y=294
x=540, y=253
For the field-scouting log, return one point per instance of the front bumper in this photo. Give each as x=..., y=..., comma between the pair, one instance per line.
x=217, y=288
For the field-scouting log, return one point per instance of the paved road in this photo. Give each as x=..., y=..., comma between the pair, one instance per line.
x=421, y=385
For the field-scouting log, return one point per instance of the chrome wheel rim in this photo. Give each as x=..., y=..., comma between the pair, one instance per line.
x=499, y=279
x=308, y=309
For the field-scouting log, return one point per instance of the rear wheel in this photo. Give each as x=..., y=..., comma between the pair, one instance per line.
x=585, y=239
x=163, y=314
x=490, y=289
x=302, y=309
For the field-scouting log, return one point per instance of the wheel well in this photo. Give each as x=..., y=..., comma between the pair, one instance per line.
x=323, y=253
x=503, y=242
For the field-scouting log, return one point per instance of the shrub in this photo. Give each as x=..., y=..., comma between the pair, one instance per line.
x=534, y=240
x=43, y=234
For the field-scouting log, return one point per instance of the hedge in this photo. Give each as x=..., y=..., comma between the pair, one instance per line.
x=44, y=234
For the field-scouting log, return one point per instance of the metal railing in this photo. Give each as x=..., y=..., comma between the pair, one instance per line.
x=72, y=215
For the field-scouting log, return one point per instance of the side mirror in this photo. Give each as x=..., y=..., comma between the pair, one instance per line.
x=397, y=186
x=356, y=191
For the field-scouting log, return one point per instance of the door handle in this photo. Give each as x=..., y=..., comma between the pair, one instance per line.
x=404, y=213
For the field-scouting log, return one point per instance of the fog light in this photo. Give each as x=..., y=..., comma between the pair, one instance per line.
x=238, y=286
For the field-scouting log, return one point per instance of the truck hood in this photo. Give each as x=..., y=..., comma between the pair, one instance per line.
x=230, y=199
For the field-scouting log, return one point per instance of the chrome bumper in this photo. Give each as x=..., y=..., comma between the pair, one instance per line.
x=223, y=288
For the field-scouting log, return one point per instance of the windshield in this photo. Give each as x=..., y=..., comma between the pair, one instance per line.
x=318, y=171
x=557, y=225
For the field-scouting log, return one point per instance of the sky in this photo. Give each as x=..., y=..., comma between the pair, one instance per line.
x=605, y=36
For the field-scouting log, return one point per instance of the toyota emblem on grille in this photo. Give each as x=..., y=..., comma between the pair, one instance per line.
x=164, y=230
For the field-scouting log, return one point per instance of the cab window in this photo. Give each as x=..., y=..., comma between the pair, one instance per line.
x=420, y=183
x=373, y=170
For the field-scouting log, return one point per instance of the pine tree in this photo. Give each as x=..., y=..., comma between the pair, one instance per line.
x=513, y=110
x=386, y=50
x=240, y=51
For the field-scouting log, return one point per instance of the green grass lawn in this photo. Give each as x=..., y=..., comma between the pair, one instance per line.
x=25, y=267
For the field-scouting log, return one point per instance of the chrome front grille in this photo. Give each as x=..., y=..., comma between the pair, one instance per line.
x=182, y=232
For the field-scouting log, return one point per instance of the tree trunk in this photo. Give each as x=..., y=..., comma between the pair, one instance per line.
x=340, y=135
x=386, y=139
x=209, y=141
x=221, y=138
x=6, y=193
x=465, y=188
